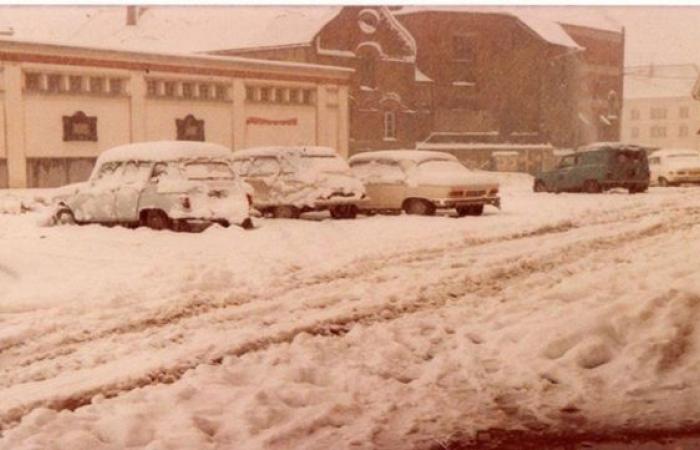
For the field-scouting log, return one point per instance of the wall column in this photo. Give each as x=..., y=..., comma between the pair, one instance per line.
x=322, y=116
x=239, y=126
x=138, y=107
x=14, y=127
x=343, y=138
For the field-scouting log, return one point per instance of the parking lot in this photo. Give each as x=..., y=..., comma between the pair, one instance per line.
x=319, y=327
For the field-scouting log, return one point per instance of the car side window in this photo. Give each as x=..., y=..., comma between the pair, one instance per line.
x=567, y=161
x=389, y=171
x=136, y=171
x=264, y=167
x=108, y=171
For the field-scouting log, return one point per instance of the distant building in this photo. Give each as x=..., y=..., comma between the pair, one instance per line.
x=659, y=110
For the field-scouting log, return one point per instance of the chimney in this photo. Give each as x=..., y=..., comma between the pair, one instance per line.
x=131, y=15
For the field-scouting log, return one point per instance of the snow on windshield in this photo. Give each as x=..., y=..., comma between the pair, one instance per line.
x=324, y=163
x=208, y=171
x=685, y=156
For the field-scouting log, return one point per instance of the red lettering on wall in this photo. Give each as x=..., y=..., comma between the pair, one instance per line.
x=263, y=121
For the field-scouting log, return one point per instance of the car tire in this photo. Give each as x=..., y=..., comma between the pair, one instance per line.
x=418, y=207
x=663, y=182
x=539, y=186
x=471, y=210
x=344, y=212
x=286, y=212
x=64, y=216
x=157, y=220
x=592, y=187
x=247, y=224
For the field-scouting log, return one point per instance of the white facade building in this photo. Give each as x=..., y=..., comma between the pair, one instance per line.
x=658, y=108
x=63, y=105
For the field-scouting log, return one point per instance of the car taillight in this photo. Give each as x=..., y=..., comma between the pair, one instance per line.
x=250, y=199
x=456, y=193
x=493, y=191
x=185, y=201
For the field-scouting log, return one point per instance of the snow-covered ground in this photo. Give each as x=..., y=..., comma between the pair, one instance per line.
x=389, y=332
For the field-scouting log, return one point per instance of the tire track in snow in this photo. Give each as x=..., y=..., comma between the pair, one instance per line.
x=432, y=295
x=298, y=280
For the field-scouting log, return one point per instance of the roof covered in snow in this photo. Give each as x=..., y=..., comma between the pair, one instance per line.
x=164, y=151
x=545, y=23
x=416, y=156
x=660, y=81
x=168, y=28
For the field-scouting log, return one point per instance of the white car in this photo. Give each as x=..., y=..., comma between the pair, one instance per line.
x=421, y=182
x=670, y=167
x=288, y=181
x=161, y=185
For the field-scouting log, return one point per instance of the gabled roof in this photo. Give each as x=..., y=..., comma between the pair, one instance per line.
x=169, y=28
x=655, y=81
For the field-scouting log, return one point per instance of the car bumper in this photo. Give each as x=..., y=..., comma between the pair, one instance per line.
x=337, y=201
x=684, y=179
x=459, y=202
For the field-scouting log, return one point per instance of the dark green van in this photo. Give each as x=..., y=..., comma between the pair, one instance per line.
x=596, y=168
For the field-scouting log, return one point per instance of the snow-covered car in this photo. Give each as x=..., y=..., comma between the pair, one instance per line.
x=421, y=182
x=670, y=167
x=288, y=181
x=160, y=185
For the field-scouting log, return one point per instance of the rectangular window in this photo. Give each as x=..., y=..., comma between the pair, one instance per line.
x=220, y=92
x=152, y=88
x=97, y=85
x=279, y=95
x=116, y=86
x=634, y=114
x=250, y=93
x=265, y=94
x=635, y=132
x=75, y=83
x=308, y=96
x=683, y=112
x=187, y=90
x=294, y=96
x=658, y=113
x=657, y=132
x=53, y=83
x=204, y=92
x=683, y=131
x=32, y=81
x=389, y=125
x=169, y=89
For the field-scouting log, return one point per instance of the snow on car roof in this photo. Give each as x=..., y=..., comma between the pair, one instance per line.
x=416, y=156
x=309, y=150
x=675, y=151
x=603, y=145
x=164, y=151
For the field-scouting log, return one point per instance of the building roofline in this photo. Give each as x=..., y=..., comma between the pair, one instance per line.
x=34, y=51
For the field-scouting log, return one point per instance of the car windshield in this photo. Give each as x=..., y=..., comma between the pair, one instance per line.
x=325, y=163
x=208, y=170
x=442, y=166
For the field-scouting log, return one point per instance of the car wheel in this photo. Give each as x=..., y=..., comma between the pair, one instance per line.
x=247, y=224
x=344, y=212
x=157, y=220
x=286, y=212
x=592, y=187
x=418, y=207
x=539, y=186
x=663, y=182
x=463, y=211
x=477, y=210
x=64, y=216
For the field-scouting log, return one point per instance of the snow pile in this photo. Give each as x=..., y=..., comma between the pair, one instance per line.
x=23, y=201
x=562, y=311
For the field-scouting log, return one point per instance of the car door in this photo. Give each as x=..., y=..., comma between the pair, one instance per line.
x=564, y=175
x=135, y=175
x=96, y=202
x=385, y=184
x=261, y=172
